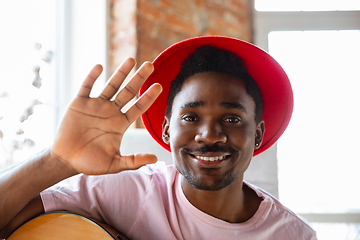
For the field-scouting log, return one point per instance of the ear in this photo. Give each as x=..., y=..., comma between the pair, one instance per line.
x=166, y=130
x=259, y=135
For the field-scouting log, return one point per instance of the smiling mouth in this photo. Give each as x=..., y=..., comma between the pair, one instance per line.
x=210, y=158
x=209, y=154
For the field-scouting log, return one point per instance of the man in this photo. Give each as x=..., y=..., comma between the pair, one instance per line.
x=224, y=93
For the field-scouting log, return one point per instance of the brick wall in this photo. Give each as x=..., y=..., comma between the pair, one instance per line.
x=161, y=23
x=123, y=37
x=144, y=28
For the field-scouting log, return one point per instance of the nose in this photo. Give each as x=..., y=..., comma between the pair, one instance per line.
x=210, y=133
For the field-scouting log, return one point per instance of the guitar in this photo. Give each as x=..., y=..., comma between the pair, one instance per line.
x=64, y=225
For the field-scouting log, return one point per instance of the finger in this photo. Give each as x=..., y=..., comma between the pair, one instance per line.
x=143, y=103
x=132, y=162
x=89, y=81
x=130, y=90
x=118, y=78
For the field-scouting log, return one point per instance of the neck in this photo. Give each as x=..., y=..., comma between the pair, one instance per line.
x=235, y=203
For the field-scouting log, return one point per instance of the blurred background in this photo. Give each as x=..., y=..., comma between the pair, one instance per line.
x=47, y=47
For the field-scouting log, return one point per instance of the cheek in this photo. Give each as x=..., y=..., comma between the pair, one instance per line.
x=180, y=138
x=243, y=134
x=180, y=135
x=176, y=143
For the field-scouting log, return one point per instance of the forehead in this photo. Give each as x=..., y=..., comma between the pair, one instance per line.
x=212, y=88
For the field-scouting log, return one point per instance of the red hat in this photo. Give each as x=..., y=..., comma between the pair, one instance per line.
x=268, y=74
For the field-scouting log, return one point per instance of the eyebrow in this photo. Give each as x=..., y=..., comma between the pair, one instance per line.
x=227, y=105
x=193, y=105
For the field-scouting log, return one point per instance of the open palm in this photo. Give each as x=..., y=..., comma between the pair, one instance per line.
x=91, y=131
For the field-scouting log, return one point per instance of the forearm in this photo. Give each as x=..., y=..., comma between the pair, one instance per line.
x=23, y=182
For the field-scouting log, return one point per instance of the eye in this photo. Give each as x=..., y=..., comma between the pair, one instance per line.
x=188, y=118
x=233, y=120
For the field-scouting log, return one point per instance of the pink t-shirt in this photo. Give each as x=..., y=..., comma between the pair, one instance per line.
x=149, y=204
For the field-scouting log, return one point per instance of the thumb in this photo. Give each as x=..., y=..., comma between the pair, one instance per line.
x=135, y=161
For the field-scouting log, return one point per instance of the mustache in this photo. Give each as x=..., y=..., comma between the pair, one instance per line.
x=211, y=148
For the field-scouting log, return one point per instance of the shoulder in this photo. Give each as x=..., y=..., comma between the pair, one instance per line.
x=286, y=221
x=86, y=195
x=159, y=173
x=140, y=180
x=157, y=168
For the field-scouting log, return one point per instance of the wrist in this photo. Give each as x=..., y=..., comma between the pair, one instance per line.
x=60, y=168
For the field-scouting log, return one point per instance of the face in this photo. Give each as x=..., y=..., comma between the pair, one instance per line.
x=212, y=130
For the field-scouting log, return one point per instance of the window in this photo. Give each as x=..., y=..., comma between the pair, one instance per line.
x=51, y=44
x=317, y=159
x=325, y=81
x=27, y=78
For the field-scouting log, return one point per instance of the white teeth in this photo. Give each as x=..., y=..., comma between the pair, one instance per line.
x=210, y=158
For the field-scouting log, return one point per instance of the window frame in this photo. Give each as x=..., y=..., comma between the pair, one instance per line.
x=82, y=42
x=266, y=22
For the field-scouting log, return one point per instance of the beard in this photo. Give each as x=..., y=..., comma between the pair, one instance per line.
x=201, y=184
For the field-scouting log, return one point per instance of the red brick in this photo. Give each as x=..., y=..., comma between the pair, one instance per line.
x=199, y=3
x=180, y=24
x=239, y=5
x=148, y=10
x=217, y=3
x=170, y=36
x=165, y=4
x=150, y=48
x=146, y=25
x=212, y=31
x=183, y=9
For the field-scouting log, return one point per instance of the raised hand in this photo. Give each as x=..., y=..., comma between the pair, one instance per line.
x=91, y=131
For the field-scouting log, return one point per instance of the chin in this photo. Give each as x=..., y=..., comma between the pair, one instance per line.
x=202, y=183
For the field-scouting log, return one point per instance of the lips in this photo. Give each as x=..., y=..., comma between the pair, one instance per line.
x=209, y=155
x=211, y=159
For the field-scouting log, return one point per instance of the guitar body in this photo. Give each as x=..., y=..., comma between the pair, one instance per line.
x=64, y=225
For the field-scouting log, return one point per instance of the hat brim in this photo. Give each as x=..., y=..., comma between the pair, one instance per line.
x=268, y=74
